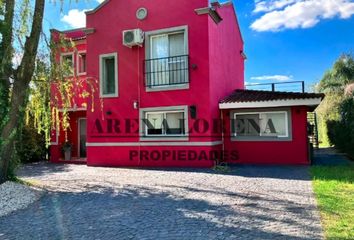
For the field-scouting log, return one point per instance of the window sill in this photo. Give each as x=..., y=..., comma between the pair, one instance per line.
x=168, y=88
x=109, y=96
x=81, y=74
x=264, y=139
x=164, y=138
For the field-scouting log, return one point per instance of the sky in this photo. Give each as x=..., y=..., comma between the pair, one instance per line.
x=285, y=40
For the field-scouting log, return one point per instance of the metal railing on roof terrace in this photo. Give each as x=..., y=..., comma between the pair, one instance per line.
x=292, y=86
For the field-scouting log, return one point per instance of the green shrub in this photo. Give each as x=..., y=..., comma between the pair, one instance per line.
x=31, y=146
x=341, y=132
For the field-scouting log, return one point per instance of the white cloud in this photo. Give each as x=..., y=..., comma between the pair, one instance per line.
x=267, y=6
x=100, y=1
x=75, y=18
x=280, y=78
x=292, y=14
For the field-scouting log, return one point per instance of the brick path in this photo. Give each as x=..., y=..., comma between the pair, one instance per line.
x=80, y=202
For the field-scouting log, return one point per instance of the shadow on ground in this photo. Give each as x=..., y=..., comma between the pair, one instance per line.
x=256, y=171
x=145, y=213
x=330, y=157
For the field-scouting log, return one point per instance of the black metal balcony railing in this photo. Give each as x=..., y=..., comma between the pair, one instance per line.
x=292, y=86
x=167, y=71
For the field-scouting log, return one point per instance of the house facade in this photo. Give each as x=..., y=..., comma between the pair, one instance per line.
x=164, y=74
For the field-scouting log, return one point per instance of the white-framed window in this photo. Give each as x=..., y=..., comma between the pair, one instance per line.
x=164, y=122
x=109, y=75
x=67, y=63
x=167, y=57
x=261, y=125
x=81, y=63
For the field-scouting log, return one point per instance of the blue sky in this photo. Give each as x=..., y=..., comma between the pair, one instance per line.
x=296, y=40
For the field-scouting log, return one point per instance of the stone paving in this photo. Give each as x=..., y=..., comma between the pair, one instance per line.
x=81, y=202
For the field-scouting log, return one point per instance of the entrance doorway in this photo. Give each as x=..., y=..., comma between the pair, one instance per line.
x=82, y=137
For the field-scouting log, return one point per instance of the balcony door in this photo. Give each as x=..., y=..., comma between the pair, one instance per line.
x=167, y=52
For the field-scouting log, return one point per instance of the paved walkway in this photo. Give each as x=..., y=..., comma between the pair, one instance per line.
x=330, y=157
x=108, y=203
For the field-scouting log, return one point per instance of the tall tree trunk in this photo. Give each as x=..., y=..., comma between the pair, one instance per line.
x=19, y=97
x=6, y=54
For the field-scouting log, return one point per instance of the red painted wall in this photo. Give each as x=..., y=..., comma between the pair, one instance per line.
x=179, y=156
x=72, y=133
x=273, y=152
x=214, y=49
x=226, y=65
x=77, y=100
x=116, y=16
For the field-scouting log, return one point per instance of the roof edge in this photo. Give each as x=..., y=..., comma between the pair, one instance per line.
x=97, y=8
x=227, y=3
x=67, y=31
x=310, y=102
x=211, y=11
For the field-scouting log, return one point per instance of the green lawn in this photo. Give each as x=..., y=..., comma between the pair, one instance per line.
x=334, y=191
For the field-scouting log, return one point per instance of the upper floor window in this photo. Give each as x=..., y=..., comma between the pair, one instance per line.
x=67, y=63
x=109, y=75
x=81, y=63
x=167, y=57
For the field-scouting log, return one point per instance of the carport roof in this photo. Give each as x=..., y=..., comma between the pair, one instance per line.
x=241, y=98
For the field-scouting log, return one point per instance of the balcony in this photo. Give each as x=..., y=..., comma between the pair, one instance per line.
x=168, y=71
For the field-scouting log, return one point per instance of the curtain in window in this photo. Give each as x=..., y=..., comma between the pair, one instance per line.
x=175, y=122
x=176, y=44
x=154, y=126
x=247, y=125
x=159, y=67
x=178, y=62
x=273, y=124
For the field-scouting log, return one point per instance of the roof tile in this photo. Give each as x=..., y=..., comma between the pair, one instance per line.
x=241, y=95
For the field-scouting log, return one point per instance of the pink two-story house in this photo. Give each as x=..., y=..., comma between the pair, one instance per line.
x=165, y=71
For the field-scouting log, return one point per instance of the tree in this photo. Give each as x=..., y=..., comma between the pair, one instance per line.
x=339, y=77
x=337, y=83
x=15, y=83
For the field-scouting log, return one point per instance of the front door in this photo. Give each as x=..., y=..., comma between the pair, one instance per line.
x=82, y=137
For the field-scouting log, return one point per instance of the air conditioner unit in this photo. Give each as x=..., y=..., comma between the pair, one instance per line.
x=134, y=37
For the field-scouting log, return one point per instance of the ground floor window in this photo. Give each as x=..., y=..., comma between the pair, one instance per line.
x=164, y=122
x=261, y=125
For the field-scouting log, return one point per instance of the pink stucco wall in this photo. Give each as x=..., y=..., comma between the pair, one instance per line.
x=226, y=64
x=207, y=85
x=294, y=151
x=77, y=100
x=214, y=51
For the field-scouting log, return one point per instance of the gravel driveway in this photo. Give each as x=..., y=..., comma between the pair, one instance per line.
x=81, y=202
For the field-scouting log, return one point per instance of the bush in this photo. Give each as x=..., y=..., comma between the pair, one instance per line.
x=341, y=132
x=328, y=111
x=31, y=146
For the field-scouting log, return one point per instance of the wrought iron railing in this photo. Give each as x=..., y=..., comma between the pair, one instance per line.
x=167, y=71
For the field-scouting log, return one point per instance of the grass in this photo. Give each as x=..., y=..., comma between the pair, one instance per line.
x=334, y=190
x=30, y=183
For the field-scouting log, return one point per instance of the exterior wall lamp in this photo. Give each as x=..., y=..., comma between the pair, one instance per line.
x=135, y=104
